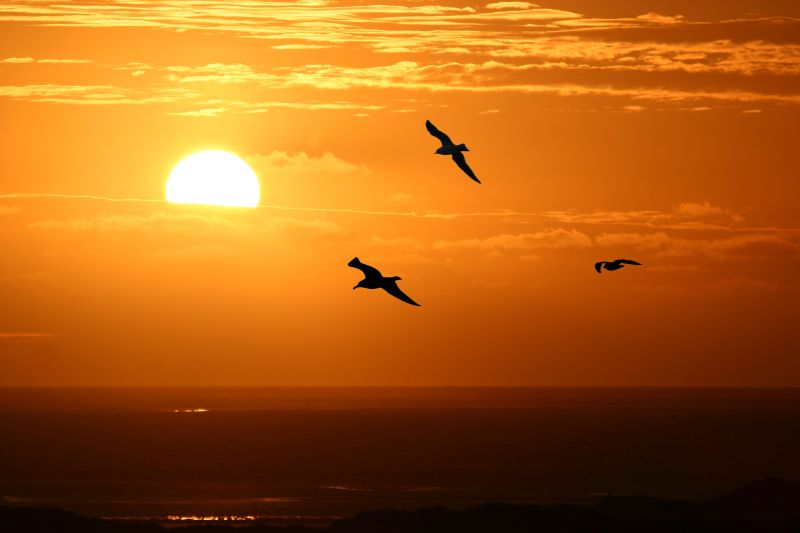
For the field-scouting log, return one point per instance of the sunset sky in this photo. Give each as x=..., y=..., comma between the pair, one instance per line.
x=664, y=131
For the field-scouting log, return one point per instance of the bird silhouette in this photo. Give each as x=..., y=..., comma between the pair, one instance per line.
x=454, y=150
x=373, y=279
x=613, y=265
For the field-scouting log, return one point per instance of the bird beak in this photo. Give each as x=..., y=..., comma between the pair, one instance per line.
x=354, y=288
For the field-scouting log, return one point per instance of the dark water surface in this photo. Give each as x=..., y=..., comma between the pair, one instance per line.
x=315, y=452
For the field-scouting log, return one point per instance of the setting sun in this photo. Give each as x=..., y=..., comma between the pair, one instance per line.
x=213, y=177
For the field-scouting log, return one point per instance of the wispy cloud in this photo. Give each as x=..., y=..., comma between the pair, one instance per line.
x=685, y=216
x=550, y=238
x=747, y=245
x=495, y=77
x=512, y=46
x=27, y=337
x=45, y=195
x=94, y=95
x=30, y=60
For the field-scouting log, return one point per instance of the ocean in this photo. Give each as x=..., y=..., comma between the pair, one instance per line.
x=307, y=455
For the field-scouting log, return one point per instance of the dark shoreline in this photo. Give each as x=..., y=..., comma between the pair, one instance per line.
x=768, y=505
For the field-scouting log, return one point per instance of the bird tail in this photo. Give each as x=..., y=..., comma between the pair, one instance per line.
x=462, y=147
x=396, y=278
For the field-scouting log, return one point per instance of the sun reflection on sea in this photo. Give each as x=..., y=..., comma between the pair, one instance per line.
x=212, y=518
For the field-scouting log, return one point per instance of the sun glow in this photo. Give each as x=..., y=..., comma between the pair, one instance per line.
x=213, y=177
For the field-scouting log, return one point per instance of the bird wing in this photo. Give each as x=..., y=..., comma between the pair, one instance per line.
x=461, y=161
x=599, y=266
x=433, y=130
x=391, y=287
x=368, y=271
x=627, y=262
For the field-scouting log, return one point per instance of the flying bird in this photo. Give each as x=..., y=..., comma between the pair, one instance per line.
x=613, y=265
x=373, y=279
x=454, y=150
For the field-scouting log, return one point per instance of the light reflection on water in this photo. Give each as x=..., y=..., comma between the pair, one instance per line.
x=195, y=518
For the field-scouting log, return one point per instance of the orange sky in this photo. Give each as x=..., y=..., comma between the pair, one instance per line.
x=663, y=131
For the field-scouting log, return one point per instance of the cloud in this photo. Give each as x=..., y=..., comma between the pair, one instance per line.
x=301, y=46
x=510, y=5
x=493, y=77
x=550, y=238
x=514, y=46
x=224, y=73
x=46, y=195
x=747, y=245
x=188, y=223
x=93, y=95
x=642, y=241
x=686, y=215
x=161, y=221
x=699, y=210
x=335, y=105
x=18, y=60
x=24, y=337
x=65, y=61
x=207, y=112
x=661, y=19
x=300, y=165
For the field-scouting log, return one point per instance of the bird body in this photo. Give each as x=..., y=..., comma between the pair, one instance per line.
x=613, y=265
x=373, y=279
x=455, y=151
x=451, y=149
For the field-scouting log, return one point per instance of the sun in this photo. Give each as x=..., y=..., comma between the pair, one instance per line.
x=213, y=177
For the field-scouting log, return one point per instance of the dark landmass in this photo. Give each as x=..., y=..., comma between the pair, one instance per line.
x=771, y=505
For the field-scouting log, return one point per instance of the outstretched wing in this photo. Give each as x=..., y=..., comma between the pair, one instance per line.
x=458, y=157
x=599, y=266
x=627, y=262
x=391, y=287
x=433, y=130
x=369, y=272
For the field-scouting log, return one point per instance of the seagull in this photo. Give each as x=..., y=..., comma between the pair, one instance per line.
x=373, y=279
x=613, y=265
x=448, y=148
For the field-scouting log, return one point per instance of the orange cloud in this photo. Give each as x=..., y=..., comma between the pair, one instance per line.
x=24, y=337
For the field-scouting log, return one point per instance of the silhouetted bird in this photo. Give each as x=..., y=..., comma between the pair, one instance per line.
x=454, y=150
x=613, y=265
x=373, y=279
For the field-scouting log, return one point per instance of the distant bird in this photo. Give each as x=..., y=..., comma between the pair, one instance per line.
x=613, y=265
x=454, y=150
x=373, y=279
